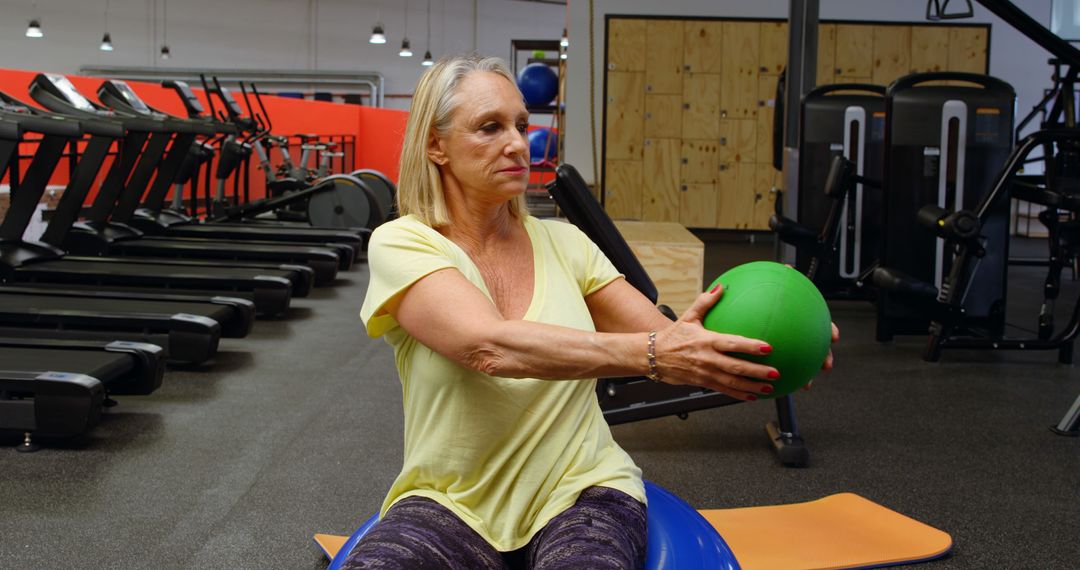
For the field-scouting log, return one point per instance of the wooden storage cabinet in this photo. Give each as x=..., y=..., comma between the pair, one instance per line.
x=663, y=64
x=690, y=104
x=702, y=42
x=740, y=63
x=660, y=187
x=701, y=106
x=625, y=129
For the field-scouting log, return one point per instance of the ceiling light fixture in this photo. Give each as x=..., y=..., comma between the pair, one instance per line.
x=406, y=51
x=165, y=52
x=106, y=40
x=428, y=61
x=34, y=29
x=377, y=35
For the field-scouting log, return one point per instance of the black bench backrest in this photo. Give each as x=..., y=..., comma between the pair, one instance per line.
x=579, y=206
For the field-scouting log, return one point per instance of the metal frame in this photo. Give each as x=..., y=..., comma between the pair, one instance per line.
x=369, y=82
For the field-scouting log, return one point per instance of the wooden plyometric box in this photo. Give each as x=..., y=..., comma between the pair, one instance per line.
x=673, y=257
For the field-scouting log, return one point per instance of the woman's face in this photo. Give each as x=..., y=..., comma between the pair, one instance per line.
x=486, y=149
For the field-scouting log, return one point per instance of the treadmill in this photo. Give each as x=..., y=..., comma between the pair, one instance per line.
x=59, y=388
x=34, y=262
x=88, y=236
x=56, y=93
x=153, y=218
x=189, y=328
x=228, y=162
x=335, y=201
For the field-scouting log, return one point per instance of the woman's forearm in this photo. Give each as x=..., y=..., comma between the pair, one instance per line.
x=526, y=349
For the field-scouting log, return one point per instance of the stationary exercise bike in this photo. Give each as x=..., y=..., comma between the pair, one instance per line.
x=338, y=201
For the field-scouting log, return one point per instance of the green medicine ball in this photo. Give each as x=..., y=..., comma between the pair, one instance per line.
x=774, y=303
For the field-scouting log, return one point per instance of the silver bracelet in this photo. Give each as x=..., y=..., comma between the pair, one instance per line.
x=653, y=374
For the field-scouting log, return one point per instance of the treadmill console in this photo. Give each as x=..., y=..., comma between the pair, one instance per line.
x=63, y=87
x=230, y=102
x=132, y=99
x=10, y=106
x=191, y=102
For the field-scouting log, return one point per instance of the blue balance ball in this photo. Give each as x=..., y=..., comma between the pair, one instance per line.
x=538, y=83
x=679, y=537
x=539, y=146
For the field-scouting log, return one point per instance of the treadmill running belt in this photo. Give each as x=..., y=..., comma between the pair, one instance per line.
x=19, y=303
x=113, y=268
x=104, y=366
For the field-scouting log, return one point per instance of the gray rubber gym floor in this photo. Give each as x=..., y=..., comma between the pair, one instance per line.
x=296, y=430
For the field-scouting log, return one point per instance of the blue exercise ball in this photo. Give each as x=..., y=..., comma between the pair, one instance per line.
x=679, y=537
x=542, y=144
x=538, y=83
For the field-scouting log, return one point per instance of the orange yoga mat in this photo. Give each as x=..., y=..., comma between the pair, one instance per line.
x=838, y=531
x=330, y=543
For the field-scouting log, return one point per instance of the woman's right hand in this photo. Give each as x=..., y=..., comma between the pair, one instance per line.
x=688, y=353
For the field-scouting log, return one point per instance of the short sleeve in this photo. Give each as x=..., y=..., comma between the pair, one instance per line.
x=599, y=271
x=592, y=269
x=399, y=254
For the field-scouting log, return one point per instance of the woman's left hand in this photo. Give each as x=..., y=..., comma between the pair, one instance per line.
x=829, y=357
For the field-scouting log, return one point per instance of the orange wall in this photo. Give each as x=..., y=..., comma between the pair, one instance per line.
x=379, y=132
x=379, y=138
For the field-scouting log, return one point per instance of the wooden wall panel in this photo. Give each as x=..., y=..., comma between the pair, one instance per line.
x=701, y=46
x=738, y=140
x=967, y=49
x=745, y=195
x=727, y=187
x=738, y=84
x=660, y=188
x=766, y=111
x=625, y=115
x=774, y=40
x=765, y=178
x=664, y=61
x=826, y=55
x=622, y=188
x=626, y=45
x=892, y=53
x=700, y=161
x=701, y=106
x=663, y=116
x=929, y=48
x=697, y=205
x=854, y=52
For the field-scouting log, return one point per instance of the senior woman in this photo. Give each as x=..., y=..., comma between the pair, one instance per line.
x=500, y=324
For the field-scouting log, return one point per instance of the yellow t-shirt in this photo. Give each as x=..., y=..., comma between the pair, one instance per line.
x=505, y=455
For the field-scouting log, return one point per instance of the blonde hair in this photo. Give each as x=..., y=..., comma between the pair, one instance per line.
x=420, y=190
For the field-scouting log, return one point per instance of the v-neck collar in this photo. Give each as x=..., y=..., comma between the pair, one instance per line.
x=538, y=268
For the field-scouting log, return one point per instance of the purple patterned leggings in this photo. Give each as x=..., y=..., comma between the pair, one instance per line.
x=605, y=529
